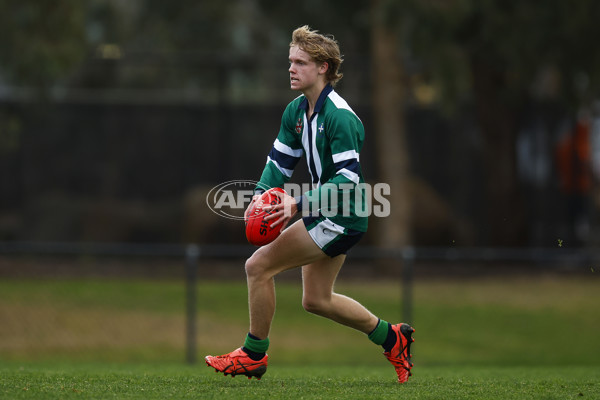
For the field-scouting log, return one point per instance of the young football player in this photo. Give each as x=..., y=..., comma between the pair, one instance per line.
x=321, y=126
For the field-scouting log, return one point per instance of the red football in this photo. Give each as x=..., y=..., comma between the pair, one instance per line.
x=259, y=231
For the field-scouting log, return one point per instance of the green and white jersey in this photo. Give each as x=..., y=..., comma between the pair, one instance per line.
x=331, y=140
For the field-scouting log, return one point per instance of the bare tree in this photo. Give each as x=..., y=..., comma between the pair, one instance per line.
x=388, y=112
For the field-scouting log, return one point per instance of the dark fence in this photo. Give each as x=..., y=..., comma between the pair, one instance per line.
x=68, y=167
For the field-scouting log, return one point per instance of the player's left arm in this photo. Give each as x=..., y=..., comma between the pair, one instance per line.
x=346, y=135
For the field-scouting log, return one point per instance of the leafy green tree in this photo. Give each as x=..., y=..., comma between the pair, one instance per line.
x=41, y=42
x=489, y=53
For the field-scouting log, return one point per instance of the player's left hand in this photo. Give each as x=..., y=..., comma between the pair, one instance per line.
x=283, y=212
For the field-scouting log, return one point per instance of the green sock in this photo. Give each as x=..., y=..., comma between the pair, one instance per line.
x=379, y=334
x=255, y=344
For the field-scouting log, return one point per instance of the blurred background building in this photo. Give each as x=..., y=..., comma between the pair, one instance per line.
x=116, y=118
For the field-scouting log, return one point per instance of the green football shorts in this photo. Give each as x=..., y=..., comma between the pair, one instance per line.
x=332, y=238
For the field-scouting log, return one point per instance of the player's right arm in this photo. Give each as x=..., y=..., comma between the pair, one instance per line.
x=287, y=150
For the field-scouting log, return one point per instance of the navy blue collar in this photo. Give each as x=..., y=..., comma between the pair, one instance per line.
x=321, y=100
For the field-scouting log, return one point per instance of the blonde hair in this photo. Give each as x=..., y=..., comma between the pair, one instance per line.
x=321, y=49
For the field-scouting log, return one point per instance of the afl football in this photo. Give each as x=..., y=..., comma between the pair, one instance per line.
x=259, y=231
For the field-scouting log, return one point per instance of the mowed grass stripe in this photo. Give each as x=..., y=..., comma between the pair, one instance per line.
x=510, y=321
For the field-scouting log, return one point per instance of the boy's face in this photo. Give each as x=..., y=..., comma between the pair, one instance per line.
x=304, y=72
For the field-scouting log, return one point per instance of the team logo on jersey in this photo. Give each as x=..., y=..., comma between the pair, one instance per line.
x=299, y=126
x=321, y=128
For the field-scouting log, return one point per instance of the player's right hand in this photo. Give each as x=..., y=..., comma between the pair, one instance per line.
x=254, y=200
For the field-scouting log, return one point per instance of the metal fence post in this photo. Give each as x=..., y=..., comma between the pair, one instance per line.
x=192, y=255
x=408, y=258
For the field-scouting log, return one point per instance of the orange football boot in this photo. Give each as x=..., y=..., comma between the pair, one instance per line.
x=238, y=363
x=400, y=355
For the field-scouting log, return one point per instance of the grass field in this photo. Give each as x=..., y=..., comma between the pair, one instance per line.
x=93, y=381
x=527, y=337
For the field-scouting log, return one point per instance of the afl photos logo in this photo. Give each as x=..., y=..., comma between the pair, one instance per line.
x=230, y=199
